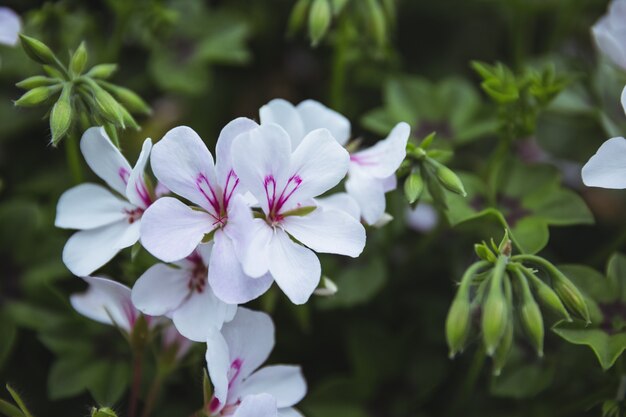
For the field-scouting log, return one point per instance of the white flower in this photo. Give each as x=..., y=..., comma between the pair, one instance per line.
x=171, y=230
x=107, y=302
x=372, y=171
x=172, y=340
x=107, y=222
x=423, y=218
x=284, y=182
x=240, y=390
x=610, y=33
x=10, y=26
x=607, y=168
x=183, y=293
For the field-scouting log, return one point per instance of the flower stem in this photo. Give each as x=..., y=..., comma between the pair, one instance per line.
x=136, y=384
x=155, y=390
x=339, y=66
x=73, y=158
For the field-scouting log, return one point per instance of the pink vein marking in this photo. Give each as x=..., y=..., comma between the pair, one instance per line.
x=123, y=174
x=275, y=205
x=363, y=160
x=228, y=195
x=212, y=199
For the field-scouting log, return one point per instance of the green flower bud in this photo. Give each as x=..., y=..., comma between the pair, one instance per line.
x=102, y=71
x=569, y=294
x=102, y=412
x=107, y=106
x=38, y=51
x=377, y=23
x=413, y=187
x=37, y=81
x=447, y=177
x=530, y=315
x=546, y=295
x=53, y=72
x=458, y=323
x=434, y=188
x=495, y=309
x=298, y=16
x=79, y=59
x=61, y=115
x=504, y=348
x=128, y=119
x=319, y=20
x=37, y=96
x=483, y=252
x=127, y=98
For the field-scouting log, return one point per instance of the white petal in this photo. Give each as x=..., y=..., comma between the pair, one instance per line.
x=609, y=43
x=320, y=163
x=88, y=250
x=607, y=168
x=250, y=339
x=10, y=26
x=328, y=231
x=218, y=363
x=384, y=158
x=88, y=206
x=617, y=14
x=262, y=405
x=369, y=192
x=289, y=412
x=136, y=190
x=226, y=275
x=255, y=260
x=624, y=99
x=261, y=160
x=284, y=114
x=227, y=136
x=341, y=202
x=295, y=268
x=423, y=218
x=104, y=159
x=161, y=289
x=315, y=115
x=284, y=382
x=390, y=183
x=107, y=302
x=170, y=230
x=201, y=312
x=182, y=162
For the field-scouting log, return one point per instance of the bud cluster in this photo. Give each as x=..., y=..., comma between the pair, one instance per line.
x=505, y=290
x=424, y=172
x=375, y=16
x=84, y=96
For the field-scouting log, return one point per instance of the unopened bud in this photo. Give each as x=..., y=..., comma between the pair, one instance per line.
x=61, y=116
x=448, y=178
x=413, y=187
x=530, y=315
x=547, y=297
x=495, y=312
x=79, y=59
x=102, y=412
x=37, y=96
x=377, y=22
x=128, y=98
x=570, y=295
x=38, y=51
x=435, y=188
x=129, y=120
x=319, y=20
x=483, y=252
x=109, y=107
x=102, y=71
x=36, y=81
x=298, y=16
x=458, y=323
x=503, y=350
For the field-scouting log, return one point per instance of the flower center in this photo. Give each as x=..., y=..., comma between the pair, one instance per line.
x=134, y=214
x=218, y=199
x=275, y=201
x=198, y=274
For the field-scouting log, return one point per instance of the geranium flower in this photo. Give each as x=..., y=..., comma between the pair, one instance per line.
x=108, y=302
x=108, y=222
x=182, y=292
x=607, y=168
x=610, y=33
x=284, y=182
x=371, y=171
x=10, y=26
x=171, y=230
x=240, y=390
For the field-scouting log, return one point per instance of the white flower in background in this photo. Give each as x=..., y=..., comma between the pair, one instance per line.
x=423, y=218
x=182, y=292
x=107, y=302
x=610, y=33
x=285, y=181
x=171, y=230
x=108, y=222
x=607, y=168
x=240, y=390
x=372, y=170
x=10, y=26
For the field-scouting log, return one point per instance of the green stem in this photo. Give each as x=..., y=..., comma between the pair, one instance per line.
x=72, y=154
x=469, y=383
x=153, y=394
x=136, y=383
x=339, y=67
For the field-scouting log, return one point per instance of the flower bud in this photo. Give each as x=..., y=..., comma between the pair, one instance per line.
x=458, y=323
x=569, y=294
x=495, y=311
x=128, y=98
x=530, y=315
x=79, y=59
x=434, y=188
x=547, y=296
x=447, y=177
x=483, y=252
x=102, y=71
x=102, y=412
x=38, y=51
x=128, y=119
x=36, y=81
x=504, y=348
x=376, y=22
x=108, y=107
x=319, y=20
x=37, y=96
x=413, y=187
x=53, y=72
x=61, y=116
x=298, y=16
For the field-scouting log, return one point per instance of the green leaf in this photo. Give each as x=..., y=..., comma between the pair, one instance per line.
x=72, y=375
x=357, y=285
x=18, y=400
x=110, y=381
x=520, y=379
x=606, y=347
x=559, y=207
x=616, y=275
x=9, y=410
x=531, y=233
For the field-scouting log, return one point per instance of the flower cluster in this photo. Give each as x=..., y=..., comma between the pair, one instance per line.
x=226, y=228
